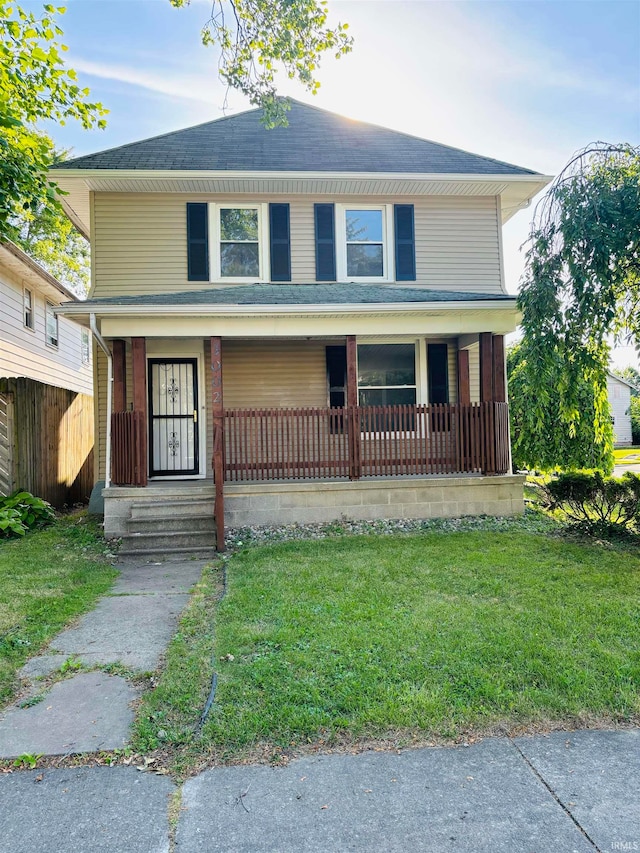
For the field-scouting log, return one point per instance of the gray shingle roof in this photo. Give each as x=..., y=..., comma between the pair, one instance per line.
x=315, y=140
x=299, y=294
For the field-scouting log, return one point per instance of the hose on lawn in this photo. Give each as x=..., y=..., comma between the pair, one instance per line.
x=214, y=680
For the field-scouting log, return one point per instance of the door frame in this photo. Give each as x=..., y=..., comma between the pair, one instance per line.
x=164, y=350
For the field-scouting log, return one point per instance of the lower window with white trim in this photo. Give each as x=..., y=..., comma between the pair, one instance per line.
x=387, y=374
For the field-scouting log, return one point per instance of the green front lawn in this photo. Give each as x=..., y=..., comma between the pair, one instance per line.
x=46, y=579
x=627, y=456
x=391, y=636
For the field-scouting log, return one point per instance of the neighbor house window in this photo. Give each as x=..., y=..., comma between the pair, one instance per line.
x=51, y=326
x=238, y=233
x=85, y=346
x=386, y=374
x=28, y=308
x=363, y=252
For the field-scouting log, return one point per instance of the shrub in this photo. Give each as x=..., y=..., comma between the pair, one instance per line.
x=595, y=503
x=22, y=511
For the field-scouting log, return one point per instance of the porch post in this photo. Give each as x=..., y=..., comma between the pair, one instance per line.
x=486, y=367
x=139, y=365
x=487, y=414
x=464, y=386
x=119, y=376
x=218, y=437
x=499, y=380
x=353, y=426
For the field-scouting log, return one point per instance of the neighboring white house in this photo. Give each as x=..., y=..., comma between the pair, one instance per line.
x=46, y=385
x=34, y=343
x=619, y=392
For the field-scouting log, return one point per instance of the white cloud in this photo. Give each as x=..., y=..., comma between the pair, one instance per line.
x=203, y=88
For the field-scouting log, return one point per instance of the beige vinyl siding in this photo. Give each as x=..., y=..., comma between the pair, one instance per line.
x=263, y=375
x=474, y=372
x=24, y=352
x=452, y=358
x=140, y=240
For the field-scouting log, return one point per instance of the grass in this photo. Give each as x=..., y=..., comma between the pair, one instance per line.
x=388, y=636
x=627, y=456
x=46, y=579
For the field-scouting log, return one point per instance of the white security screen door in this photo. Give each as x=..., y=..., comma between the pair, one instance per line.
x=173, y=417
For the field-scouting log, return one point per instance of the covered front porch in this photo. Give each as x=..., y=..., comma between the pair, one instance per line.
x=287, y=464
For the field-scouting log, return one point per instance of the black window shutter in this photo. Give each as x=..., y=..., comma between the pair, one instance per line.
x=197, y=241
x=280, y=248
x=438, y=373
x=405, y=242
x=325, y=242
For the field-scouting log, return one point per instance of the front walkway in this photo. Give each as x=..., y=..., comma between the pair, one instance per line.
x=90, y=711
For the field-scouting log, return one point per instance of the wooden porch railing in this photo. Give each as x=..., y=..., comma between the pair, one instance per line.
x=128, y=449
x=365, y=441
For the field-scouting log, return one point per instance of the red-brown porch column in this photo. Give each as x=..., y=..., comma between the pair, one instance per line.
x=353, y=426
x=139, y=369
x=486, y=367
x=218, y=437
x=499, y=379
x=486, y=396
x=464, y=384
x=119, y=376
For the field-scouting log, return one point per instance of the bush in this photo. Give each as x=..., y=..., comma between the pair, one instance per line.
x=22, y=511
x=595, y=503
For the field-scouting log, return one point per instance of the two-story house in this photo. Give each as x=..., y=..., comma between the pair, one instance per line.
x=304, y=323
x=46, y=386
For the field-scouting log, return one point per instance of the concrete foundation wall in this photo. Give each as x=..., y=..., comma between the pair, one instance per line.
x=256, y=504
x=307, y=503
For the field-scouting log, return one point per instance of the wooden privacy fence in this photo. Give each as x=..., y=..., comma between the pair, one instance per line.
x=46, y=441
x=128, y=449
x=365, y=441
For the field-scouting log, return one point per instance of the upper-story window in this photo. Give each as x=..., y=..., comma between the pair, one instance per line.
x=85, y=346
x=364, y=243
x=27, y=301
x=239, y=242
x=51, y=326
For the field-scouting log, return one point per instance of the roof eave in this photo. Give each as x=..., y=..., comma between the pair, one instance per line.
x=33, y=268
x=87, y=308
x=516, y=191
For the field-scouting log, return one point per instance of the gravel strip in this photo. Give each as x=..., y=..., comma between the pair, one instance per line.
x=530, y=522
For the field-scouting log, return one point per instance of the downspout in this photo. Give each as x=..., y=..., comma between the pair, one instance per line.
x=103, y=346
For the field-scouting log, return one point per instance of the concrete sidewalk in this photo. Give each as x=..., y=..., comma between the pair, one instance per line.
x=567, y=792
x=92, y=711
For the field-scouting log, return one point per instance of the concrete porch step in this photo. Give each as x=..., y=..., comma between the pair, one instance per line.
x=168, y=541
x=172, y=506
x=179, y=523
x=191, y=553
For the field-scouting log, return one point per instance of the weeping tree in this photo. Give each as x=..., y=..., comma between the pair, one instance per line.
x=257, y=38
x=549, y=443
x=580, y=291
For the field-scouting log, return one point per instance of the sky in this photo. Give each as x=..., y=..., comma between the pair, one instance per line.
x=525, y=81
